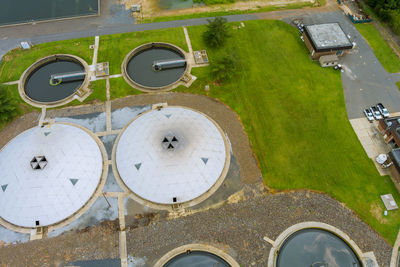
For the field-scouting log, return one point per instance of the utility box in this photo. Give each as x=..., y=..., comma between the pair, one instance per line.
x=136, y=8
x=25, y=45
x=328, y=61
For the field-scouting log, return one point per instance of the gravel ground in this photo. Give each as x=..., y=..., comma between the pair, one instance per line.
x=18, y=126
x=96, y=243
x=239, y=228
x=221, y=113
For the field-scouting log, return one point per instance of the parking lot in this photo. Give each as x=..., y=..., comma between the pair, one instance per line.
x=365, y=81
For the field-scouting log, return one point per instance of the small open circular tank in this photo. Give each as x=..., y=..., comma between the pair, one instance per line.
x=154, y=66
x=196, y=255
x=316, y=248
x=196, y=258
x=53, y=79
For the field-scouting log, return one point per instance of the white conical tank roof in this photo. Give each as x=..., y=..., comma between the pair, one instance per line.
x=47, y=174
x=171, y=155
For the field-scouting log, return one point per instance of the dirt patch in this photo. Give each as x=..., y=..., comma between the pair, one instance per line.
x=18, y=126
x=150, y=8
x=98, y=242
x=377, y=211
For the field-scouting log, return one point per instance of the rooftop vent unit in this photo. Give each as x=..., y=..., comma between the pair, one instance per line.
x=38, y=162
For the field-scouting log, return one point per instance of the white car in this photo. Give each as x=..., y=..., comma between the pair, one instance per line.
x=376, y=113
x=369, y=115
x=383, y=110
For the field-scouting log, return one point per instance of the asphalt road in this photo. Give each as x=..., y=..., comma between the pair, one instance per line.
x=10, y=37
x=365, y=81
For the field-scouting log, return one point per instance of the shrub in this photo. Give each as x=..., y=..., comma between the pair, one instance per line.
x=225, y=68
x=8, y=105
x=217, y=32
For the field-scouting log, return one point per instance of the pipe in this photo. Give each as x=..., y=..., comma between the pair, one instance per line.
x=56, y=79
x=168, y=64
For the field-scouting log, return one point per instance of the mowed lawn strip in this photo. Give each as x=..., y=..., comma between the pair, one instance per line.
x=16, y=61
x=382, y=50
x=294, y=113
x=114, y=48
x=119, y=88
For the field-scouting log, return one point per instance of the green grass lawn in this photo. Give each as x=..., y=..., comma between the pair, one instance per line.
x=23, y=107
x=114, y=48
x=292, y=109
x=16, y=61
x=119, y=88
x=294, y=113
x=382, y=50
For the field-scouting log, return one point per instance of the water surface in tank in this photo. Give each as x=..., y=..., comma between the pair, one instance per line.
x=38, y=88
x=316, y=248
x=140, y=67
x=196, y=259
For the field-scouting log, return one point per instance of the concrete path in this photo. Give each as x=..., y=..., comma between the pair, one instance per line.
x=371, y=140
x=365, y=81
x=10, y=37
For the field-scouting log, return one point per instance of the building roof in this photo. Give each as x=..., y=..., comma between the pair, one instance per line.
x=327, y=37
x=395, y=157
x=47, y=174
x=393, y=126
x=171, y=153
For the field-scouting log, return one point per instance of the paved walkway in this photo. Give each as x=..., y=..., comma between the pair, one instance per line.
x=371, y=139
x=365, y=81
x=86, y=27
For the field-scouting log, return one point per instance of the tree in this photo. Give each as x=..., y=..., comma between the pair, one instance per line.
x=8, y=105
x=224, y=68
x=217, y=32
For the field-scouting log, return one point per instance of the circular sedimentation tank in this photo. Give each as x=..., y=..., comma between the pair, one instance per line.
x=38, y=88
x=316, y=248
x=171, y=155
x=196, y=259
x=48, y=174
x=140, y=68
x=197, y=255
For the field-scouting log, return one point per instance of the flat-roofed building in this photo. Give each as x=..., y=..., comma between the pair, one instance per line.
x=326, y=39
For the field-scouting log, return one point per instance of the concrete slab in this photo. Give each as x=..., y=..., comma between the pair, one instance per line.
x=371, y=140
x=389, y=202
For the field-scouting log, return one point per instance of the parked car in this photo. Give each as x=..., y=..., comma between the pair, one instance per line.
x=376, y=113
x=383, y=110
x=369, y=115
